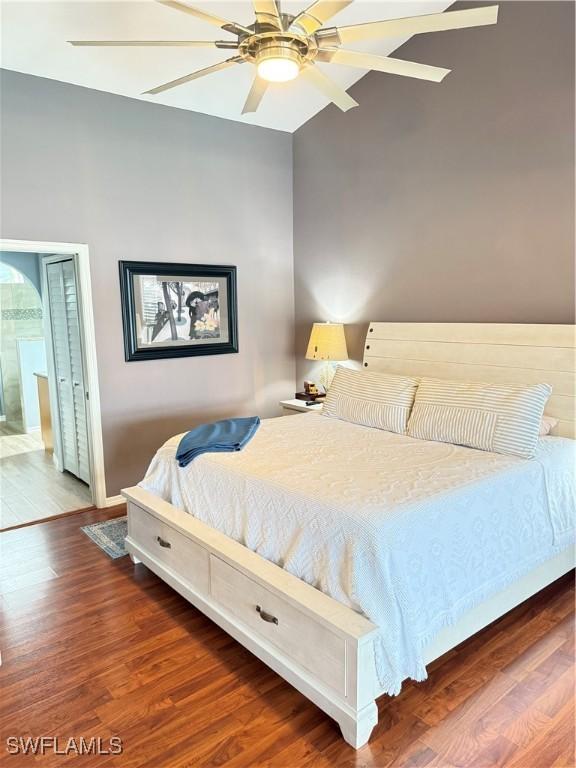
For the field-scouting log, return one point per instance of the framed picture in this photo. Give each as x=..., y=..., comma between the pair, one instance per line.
x=176, y=310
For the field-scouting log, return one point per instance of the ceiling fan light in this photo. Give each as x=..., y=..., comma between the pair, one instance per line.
x=278, y=63
x=278, y=70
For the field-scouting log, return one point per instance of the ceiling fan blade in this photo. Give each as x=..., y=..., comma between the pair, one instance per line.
x=382, y=64
x=196, y=75
x=413, y=25
x=259, y=88
x=267, y=12
x=317, y=14
x=154, y=43
x=329, y=88
x=229, y=26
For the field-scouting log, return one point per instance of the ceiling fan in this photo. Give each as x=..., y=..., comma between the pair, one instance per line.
x=283, y=47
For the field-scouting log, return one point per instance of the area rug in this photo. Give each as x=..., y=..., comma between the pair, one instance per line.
x=109, y=535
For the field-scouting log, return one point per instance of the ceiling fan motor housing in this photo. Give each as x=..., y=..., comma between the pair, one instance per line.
x=279, y=50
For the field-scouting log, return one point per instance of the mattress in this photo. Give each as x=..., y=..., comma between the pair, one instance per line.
x=410, y=533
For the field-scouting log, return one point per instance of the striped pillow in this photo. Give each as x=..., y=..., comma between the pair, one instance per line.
x=492, y=417
x=372, y=399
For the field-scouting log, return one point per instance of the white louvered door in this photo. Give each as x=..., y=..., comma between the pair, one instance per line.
x=66, y=342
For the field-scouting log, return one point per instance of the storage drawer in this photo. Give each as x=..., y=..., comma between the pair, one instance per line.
x=299, y=636
x=171, y=548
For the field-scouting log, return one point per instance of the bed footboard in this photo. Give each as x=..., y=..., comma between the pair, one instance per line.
x=319, y=646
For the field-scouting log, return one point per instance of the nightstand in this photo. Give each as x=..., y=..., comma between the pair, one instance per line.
x=292, y=407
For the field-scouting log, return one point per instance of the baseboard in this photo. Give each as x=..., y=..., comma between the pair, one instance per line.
x=113, y=501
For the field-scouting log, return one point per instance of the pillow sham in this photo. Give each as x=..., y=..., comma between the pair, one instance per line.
x=374, y=400
x=504, y=418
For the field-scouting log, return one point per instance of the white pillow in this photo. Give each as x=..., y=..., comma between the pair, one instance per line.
x=504, y=418
x=372, y=399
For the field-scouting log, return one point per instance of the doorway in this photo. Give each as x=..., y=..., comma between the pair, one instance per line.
x=50, y=433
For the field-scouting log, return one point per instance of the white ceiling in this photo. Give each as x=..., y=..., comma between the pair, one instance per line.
x=34, y=36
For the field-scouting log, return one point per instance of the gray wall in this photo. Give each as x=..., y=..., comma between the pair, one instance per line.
x=449, y=202
x=429, y=202
x=143, y=182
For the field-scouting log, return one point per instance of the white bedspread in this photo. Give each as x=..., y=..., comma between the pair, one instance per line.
x=411, y=533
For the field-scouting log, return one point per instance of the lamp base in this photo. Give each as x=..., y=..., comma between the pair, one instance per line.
x=326, y=376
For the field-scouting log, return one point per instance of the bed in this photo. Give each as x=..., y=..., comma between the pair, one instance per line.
x=340, y=554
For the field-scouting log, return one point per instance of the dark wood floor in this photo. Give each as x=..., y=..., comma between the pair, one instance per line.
x=97, y=647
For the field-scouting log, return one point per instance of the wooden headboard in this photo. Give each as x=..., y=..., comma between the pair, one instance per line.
x=515, y=354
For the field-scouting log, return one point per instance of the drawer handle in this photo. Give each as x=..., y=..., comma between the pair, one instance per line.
x=163, y=542
x=266, y=616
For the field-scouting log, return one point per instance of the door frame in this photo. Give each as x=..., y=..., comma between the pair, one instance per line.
x=80, y=252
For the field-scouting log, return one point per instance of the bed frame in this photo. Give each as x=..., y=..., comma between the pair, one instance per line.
x=318, y=645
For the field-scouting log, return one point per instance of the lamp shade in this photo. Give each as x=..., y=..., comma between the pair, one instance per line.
x=327, y=342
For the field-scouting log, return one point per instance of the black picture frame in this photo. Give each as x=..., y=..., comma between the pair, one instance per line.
x=134, y=351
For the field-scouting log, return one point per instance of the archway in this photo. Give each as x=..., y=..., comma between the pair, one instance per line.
x=21, y=345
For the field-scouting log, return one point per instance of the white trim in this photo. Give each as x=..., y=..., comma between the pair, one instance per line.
x=51, y=372
x=81, y=252
x=114, y=501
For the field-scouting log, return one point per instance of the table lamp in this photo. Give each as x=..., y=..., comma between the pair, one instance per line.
x=327, y=342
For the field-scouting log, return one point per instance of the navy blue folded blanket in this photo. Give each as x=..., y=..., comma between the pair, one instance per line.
x=218, y=437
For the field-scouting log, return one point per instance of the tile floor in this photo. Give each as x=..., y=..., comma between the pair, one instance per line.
x=31, y=488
